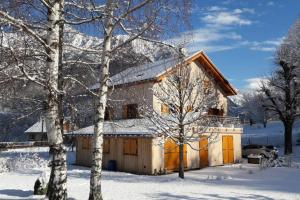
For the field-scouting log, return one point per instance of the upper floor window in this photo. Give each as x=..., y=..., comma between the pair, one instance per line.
x=130, y=111
x=109, y=113
x=164, y=109
x=207, y=86
x=189, y=108
x=215, y=111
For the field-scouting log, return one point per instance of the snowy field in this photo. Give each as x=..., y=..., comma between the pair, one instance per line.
x=232, y=182
x=239, y=181
x=273, y=134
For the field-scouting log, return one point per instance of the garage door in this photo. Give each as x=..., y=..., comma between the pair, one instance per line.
x=172, y=155
x=203, y=152
x=228, y=149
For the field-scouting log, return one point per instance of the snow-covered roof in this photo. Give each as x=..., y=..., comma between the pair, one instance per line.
x=152, y=71
x=147, y=71
x=128, y=127
x=38, y=127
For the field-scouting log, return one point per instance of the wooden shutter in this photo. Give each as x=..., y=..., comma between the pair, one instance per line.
x=125, y=111
x=164, y=109
x=109, y=113
x=130, y=147
x=85, y=143
x=189, y=108
x=106, y=145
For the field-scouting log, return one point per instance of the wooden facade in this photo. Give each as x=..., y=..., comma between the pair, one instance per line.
x=144, y=155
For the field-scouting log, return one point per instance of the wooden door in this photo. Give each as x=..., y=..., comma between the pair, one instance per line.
x=171, y=153
x=203, y=152
x=228, y=149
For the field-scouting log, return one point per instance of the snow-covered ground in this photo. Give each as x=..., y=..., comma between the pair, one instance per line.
x=273, y=134
x=239, y=181
x=232, y=182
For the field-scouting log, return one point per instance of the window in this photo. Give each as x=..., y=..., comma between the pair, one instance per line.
x=206, y=85
x=109, y=113
x=164, y=109
x=215, y=111
x=106, y=145
x=32, y=136
x=130, y=111
x=85, y=143
x=130, y=147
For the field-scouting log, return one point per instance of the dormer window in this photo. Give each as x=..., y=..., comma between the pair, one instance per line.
x=130, y=111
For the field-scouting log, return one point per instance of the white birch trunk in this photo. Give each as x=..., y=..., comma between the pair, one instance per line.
x=57, y=188
x=96, y=168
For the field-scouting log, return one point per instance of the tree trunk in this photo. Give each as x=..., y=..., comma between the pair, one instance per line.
x=265, y=123
x=181, y=161
x=96, y=168
x=288, y=144
x=57, y=187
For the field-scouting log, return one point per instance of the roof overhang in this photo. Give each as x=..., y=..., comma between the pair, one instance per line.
x=208, y=65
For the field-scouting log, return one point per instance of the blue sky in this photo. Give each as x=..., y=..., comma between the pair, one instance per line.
x=240, y=36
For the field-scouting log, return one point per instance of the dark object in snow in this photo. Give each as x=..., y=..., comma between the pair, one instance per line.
x=112, y=165
x=39, y=188
x=254, y=159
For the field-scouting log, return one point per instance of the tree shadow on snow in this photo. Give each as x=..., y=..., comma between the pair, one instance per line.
x=16, y=192
x=200, y=196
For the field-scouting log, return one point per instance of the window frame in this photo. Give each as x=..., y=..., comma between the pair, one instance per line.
x=127, y=111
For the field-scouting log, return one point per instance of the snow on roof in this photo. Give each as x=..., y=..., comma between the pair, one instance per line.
x=136, y=127
x=143, y=72
x=38, y=127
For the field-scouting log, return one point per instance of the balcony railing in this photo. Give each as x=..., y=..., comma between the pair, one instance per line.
x=223, y=121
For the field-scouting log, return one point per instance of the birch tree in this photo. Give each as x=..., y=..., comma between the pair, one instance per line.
x=186, y=97
x=45, y=34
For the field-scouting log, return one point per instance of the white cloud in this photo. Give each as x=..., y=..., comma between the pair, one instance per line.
x=267, y=45
x=215, y=8
x=217, y=34
x=244, y=10
x=221, y=16
x=271, y=3
x=207, y=39
x=255, y=83
x=225, y=18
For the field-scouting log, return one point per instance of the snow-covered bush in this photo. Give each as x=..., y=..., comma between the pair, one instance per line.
x=23, y=162
x=3, y=165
